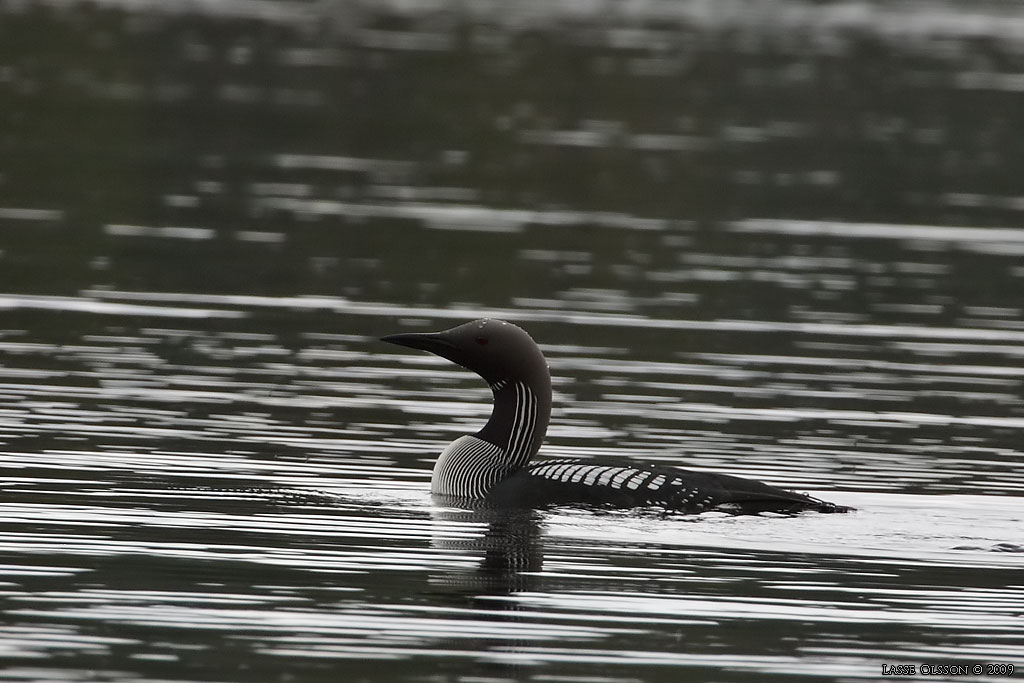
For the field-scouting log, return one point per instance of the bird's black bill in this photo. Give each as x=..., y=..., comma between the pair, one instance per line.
x=424, y=341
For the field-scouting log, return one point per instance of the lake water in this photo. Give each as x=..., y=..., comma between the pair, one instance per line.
x=776, y=239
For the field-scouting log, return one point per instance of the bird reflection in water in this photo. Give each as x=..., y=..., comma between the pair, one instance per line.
x=509, y=551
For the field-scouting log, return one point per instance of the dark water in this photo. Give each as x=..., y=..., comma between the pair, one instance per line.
x=777, y=239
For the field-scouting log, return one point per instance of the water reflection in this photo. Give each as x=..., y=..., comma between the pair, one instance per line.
x=509, y=551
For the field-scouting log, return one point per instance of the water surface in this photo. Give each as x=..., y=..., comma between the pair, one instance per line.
x=779, y=244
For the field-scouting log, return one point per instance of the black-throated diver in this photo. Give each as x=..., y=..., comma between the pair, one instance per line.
x=493, y=466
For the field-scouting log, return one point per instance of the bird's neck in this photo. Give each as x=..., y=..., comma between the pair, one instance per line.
x=519, y=420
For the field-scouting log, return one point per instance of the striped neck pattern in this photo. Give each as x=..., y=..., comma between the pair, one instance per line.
x=516, y=425
x=472, y=465
x=469, y=468
x=520, y=447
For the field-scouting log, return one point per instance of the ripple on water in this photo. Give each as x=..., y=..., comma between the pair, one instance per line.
x=226, y=477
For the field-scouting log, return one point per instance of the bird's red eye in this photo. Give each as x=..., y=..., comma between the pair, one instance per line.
x=482, y=341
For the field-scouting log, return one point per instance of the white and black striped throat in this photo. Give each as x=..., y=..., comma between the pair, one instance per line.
x=469, y=467
x=522, y=427
x=520, y=439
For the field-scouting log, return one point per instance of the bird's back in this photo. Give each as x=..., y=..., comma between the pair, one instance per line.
x=609, y=484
